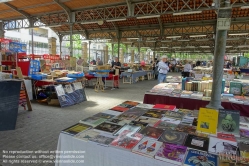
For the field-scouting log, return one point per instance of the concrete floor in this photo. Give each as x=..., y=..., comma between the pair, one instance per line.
x=40, y=128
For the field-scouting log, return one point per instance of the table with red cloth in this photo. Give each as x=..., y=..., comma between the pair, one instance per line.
x=191, y=104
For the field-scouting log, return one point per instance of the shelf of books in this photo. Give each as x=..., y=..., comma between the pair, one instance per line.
x=144, y=134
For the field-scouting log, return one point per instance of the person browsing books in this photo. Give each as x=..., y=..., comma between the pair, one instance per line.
x=116, y=65
x=187, y=69
x=163, y=69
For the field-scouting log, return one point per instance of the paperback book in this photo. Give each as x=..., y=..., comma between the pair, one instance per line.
x=197, y=142
x=165, y=107
x=155, y=113
x=174, y=115
x=104, y=115
x=228, y=137
x=186, y=128
x=120, y=109
x=243, y=145
x=132, y=103
x=125, y=105
x=171, y=120
x=199, y=158
x=152, y=132
x=147, y=106
x=107, y=127
x=207, y=121
x=147, y=147
x=165, y=125
x=222, y=146
x=244, y=133
x=174, y=137
x=150, y=121
x=189, y=113
x=229, y=122
x=132, y=114
x=102, y=139
x=75, y=129
x=111, y=112
x=130, y=128
x=86, y=135
x=127, y=140
x=142, y=125
x=171, y=153
x=93, y=121
x=118, y=121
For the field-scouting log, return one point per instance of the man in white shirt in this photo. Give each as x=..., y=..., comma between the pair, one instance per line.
x=187, y=69
x=163, y=69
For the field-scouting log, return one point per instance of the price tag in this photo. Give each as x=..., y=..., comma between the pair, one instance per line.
x=77, y=85
x=60, y=91
x=68, y=89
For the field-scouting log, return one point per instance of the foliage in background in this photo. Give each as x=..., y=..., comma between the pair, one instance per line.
x=76, y=44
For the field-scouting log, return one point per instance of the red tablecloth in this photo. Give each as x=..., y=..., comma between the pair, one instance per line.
x=110, y=77
x=192, y=103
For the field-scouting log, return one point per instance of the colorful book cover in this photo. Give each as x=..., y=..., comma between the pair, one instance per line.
x=197, y=142
x=142, y=125
x=125, y=105
x=92, y=121
x=132, y=114
x=165, y=125
x=132, y=103
x=207, y=120
x=171, y=120
x=152, y=132
x=171, y=153
x=147, y=106
x=229, y=122
x=244, y=133
x=101, y=139
x=127, y=140
x=186, y=129
x=245, y=89
x=108, y=127
x=165, y=107
x=120, y=109
x=228, y=137
x=150, y=121
x=189, y=113
x=155, y=113
x=118, y=121
x=104, y=115
x=195, y=122
x=222, y=146
x=243, y=145
x=173, y=137
x=86, y=135
x=187, y=120
x=111, y=112
x=174, y=115
x=199, y=158
x=147, y=147
x=235, y=88
x=75, y=129
x=131, y=128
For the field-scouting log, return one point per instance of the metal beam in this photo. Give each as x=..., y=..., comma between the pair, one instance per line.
x=17, y=10
x=66, y=9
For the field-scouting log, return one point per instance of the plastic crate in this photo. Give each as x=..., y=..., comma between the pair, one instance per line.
x=66, y=80
x=77, y=75
x=38, y=76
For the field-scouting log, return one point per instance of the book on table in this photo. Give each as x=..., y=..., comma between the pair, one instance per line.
x=244, y=133
x=130, y=128
x=165, y=125
x=111, y=112
x=92, y=121
x=207, y=121
x=152, y=132
x=104, y=115
x=197, y=142
x=86, y=135
x=148, y=106
x=102, y=139
x=119, y=109
x=142, y=125
x=165, y=107
x=174, y=115
x=171, y=153
x=170, y=120
x=127, y=140
x=243, y=145
x=186, y=128
x=147, y=147
x=75, y=129
x=107, y=127
x=199, y=158
x=228, y=122
x=174, y=137
x=155, y=113
x=131, y=114
x=150, y=121
x=132, y=103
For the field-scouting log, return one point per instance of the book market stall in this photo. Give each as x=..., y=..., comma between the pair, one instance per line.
x=144, y=134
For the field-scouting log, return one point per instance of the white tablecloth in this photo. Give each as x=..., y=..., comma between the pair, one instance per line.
x=96, y=155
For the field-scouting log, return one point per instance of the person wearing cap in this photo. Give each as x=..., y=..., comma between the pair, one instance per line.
x=163, y=69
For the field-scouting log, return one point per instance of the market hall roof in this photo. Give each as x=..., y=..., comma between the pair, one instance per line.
x=187, y=24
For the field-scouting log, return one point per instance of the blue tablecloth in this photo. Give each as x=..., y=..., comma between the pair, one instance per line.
x=134, y=75
x=244, y=70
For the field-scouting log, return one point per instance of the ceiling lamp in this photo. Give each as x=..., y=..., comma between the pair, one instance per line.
x=121, y=19
x=234, y=34
x=242, y=46
x=183, y=40
x=185, y=13
x=205, y=46
x=164, y=47
x=172, y=37
x=152, y=16
x=244, y=7
x=150, y=41
x=166, y=41
x=197, y=35
x=134, y=38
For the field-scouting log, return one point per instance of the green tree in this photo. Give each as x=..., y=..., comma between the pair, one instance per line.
x=76, y=44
